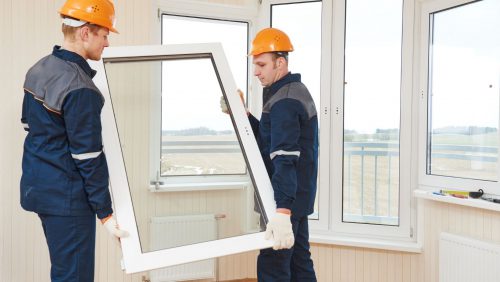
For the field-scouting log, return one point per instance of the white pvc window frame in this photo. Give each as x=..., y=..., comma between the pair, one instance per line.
x=429, y=181
x=211, y=11
x=134, y=260
x=330, y=228
x=403, y=233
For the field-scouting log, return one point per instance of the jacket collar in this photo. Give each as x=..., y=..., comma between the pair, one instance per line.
x=273, y=88
x=288, y=78
x=75, y=58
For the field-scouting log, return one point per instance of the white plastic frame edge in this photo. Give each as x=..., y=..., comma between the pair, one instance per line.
x=134, y=260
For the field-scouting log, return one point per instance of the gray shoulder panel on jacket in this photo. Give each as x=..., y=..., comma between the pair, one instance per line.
x=51, y=79
x=297, y=91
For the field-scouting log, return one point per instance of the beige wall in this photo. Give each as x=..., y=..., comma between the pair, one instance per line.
x=29, y=29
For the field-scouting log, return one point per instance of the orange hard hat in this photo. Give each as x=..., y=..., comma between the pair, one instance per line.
x=98, y=12
x=270, y=40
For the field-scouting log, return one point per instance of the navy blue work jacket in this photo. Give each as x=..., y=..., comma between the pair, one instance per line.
x=287, y=135
x=64, y=166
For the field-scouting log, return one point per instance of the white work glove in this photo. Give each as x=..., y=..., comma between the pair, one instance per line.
x=279, y=228
x=113, y=228
x=223, y=105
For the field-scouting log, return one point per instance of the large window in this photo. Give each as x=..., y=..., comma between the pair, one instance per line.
x=195, y=138
x=463, y=93
x=356, y=58
x=372, y=89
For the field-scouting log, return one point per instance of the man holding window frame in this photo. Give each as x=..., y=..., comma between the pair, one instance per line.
x=65, y=176
x=287, y=134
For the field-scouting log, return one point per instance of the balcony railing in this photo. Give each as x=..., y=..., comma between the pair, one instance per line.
x=371, y=171
x=371, y=176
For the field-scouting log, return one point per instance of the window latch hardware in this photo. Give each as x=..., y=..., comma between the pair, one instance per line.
x=157, y=181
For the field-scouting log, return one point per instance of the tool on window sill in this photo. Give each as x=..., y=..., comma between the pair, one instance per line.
x=454, y=192
x=493, y=200
x=477, y=194
x=461, y=196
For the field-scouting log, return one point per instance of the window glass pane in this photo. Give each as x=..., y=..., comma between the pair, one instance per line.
x=195, y=140
x=305, y=35
x=372, y=111
x=166, y=220
x=464, y=78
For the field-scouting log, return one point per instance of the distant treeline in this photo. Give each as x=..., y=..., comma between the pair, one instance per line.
x=390, y=134
x=195, y=131
x=464, y=130
x=393, y=133
x=380, y=134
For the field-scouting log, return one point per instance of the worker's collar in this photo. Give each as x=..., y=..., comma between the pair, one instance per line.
x=288, y=78
x=75, y=58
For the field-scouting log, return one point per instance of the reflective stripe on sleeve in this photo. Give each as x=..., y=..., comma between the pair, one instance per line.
x=281, y=152
x=26, y=126
x=86, y=156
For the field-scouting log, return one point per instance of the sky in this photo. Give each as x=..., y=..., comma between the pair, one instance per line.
x=466, y=66
x=183, y=81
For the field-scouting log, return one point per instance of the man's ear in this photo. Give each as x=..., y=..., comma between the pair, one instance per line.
x=84, y=33
x=280, y=61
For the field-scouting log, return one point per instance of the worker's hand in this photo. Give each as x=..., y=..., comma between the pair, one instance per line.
x=223, y=105
x=279, y=228
x=112, y=227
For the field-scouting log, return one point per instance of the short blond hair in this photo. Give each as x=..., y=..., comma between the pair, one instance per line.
x=70, y=31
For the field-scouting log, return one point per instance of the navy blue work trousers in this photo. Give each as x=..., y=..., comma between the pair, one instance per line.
x=71, y=242
x=293, y=264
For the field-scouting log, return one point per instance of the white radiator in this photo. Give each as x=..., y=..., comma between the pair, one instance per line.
x=463, y=259
x=172, y=231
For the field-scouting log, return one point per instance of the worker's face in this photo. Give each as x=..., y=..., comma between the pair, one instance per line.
x=96, y=42
x=266, y=69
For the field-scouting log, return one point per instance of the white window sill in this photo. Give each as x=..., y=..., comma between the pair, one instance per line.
x=411, y=247
x=185, y=187
x=476, y=203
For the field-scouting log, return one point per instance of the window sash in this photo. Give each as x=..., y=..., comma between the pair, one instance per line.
x=427, y=181
x=216, y=11
x=330, y=112
x=404, y=232
x=133, y=258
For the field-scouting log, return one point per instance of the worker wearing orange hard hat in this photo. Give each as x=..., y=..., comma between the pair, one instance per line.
x=288, y=139
x=65, y=175
x=287, y=134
